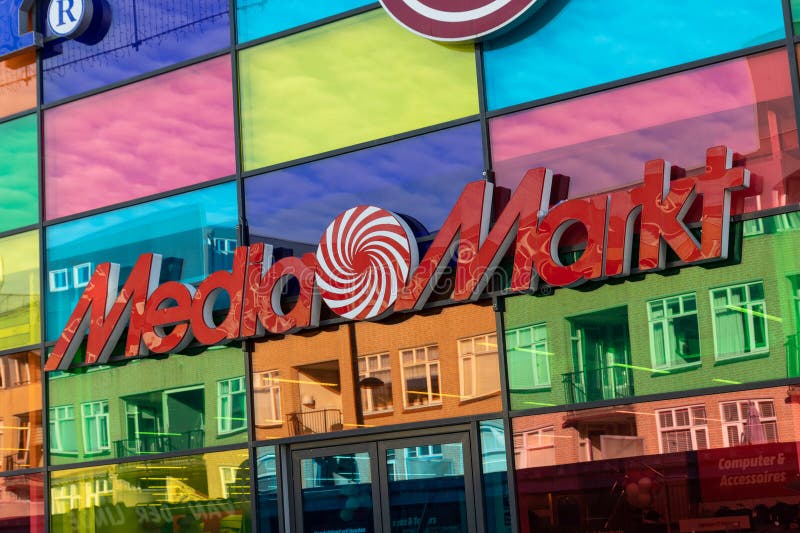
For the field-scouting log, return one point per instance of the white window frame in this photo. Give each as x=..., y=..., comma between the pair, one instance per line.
x=228, y=246
x=481, y=346
x=751, y=316
x=76, y=274
x=432, y=398
x=227, y=477
x=696, y=425
x=57, y=416
x=97, y=488
x=369, y=406
x=65, y=498
x=542, y=438
x=54, y=287
x=537, y=348
x=665, y=320
x=741, y=421
x=267, y=385
x=97, y=410
x=225, y=422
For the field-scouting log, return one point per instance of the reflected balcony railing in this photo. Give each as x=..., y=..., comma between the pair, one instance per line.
x=320, y=421
x=160, y=443
x=604, y=383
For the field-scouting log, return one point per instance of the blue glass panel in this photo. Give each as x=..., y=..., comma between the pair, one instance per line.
x=572, y=44
x=419, y=177
x=194, y=232
x=143, y=35
x=10, y=39
x=257, y=18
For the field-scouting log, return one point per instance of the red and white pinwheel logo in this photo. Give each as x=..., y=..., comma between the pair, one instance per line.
x=457, y=20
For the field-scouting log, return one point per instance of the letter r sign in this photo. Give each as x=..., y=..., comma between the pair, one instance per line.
x=69, y=18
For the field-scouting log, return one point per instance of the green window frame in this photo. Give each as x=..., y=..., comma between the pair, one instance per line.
x=525, y=344
x=94, y=417
x=62, y=430
x=674, y=331
x=231, y=406
x=740, y=320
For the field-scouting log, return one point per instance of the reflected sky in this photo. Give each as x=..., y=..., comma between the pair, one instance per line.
x=257, y=18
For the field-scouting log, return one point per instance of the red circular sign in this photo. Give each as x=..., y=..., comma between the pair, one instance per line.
x=464, y=20
x=364, y=258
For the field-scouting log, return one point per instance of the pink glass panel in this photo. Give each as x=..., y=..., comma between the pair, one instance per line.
x=603, y=140
x=159, y=134
x=21, y=503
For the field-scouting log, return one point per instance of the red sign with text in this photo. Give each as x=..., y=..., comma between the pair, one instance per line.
x=367, y=263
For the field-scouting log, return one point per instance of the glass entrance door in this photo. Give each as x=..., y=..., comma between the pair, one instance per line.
x=399, y=486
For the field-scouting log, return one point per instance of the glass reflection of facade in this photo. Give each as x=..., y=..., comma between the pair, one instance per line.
x=653, y=401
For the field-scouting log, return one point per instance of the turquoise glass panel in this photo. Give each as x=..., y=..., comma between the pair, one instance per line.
x=257, y=18
x=195, y=233
x=572, y=44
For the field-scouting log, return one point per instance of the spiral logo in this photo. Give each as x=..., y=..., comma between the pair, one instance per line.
x=364, y=258
x=445, y=20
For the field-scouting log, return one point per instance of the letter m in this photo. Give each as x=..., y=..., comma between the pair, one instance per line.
x=106, y=314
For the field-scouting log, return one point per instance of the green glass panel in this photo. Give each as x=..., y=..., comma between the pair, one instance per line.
x=146, y=406
x=19, y=173
x=726, y=323
x=361, y=78
x=19, y=290
x=796, y=15
x=197, y=493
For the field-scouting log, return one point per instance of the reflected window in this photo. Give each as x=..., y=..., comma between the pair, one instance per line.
x=62, y=430
x=421, y=376
x=535, y=448
x=528, y=357
x=95, y=426
x=740, y=320
x=267, y=393
x=748, y=422
x=59, y=280
x=788, y=221
x=478, y=366
x=65, y=498
x=81, y=274
x=231, y=405
x=674, y=334
x=682, y=429
x=375, y=381
x=227, y=476
x=99, y=492
x=753, y=226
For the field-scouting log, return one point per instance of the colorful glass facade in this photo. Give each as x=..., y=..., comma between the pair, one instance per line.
x=658, y=399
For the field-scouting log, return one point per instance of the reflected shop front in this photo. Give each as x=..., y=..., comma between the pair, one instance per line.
x=341, y=266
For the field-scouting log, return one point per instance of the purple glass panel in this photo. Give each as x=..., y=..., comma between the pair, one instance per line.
x=602, y=141
x=139, y=37
x=160, y=134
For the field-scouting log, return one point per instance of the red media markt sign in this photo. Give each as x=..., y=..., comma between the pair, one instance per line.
x=462, y=20
x=367, y=263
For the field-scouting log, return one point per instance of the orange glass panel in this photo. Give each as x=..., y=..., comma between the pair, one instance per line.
x=20, y=411
x=17, y=83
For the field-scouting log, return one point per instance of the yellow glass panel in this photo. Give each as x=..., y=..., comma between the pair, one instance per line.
x=349, y=82
x=19, y=290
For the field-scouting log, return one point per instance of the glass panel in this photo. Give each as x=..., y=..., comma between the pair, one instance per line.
x=571, y=50
x=495, y=476
x=267, y=485
x=95, y=144
x=19, y=290
x=23, y=505
x=145, y=406
x=426, y=488
x=17, y=83
x=208, y=492
x=19, y=173
x=257, y=18
x=602, y=141
x=180, y=228
x=20, y=412
x=317, y=73
x=337, y=493
x=689, y=464
x=420, y=177
x=730, y=338
x=144, y=35
x=312, y=388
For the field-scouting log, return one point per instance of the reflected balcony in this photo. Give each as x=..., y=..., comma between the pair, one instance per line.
x=319, y=421
x=160, y=443
x=603, y=383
